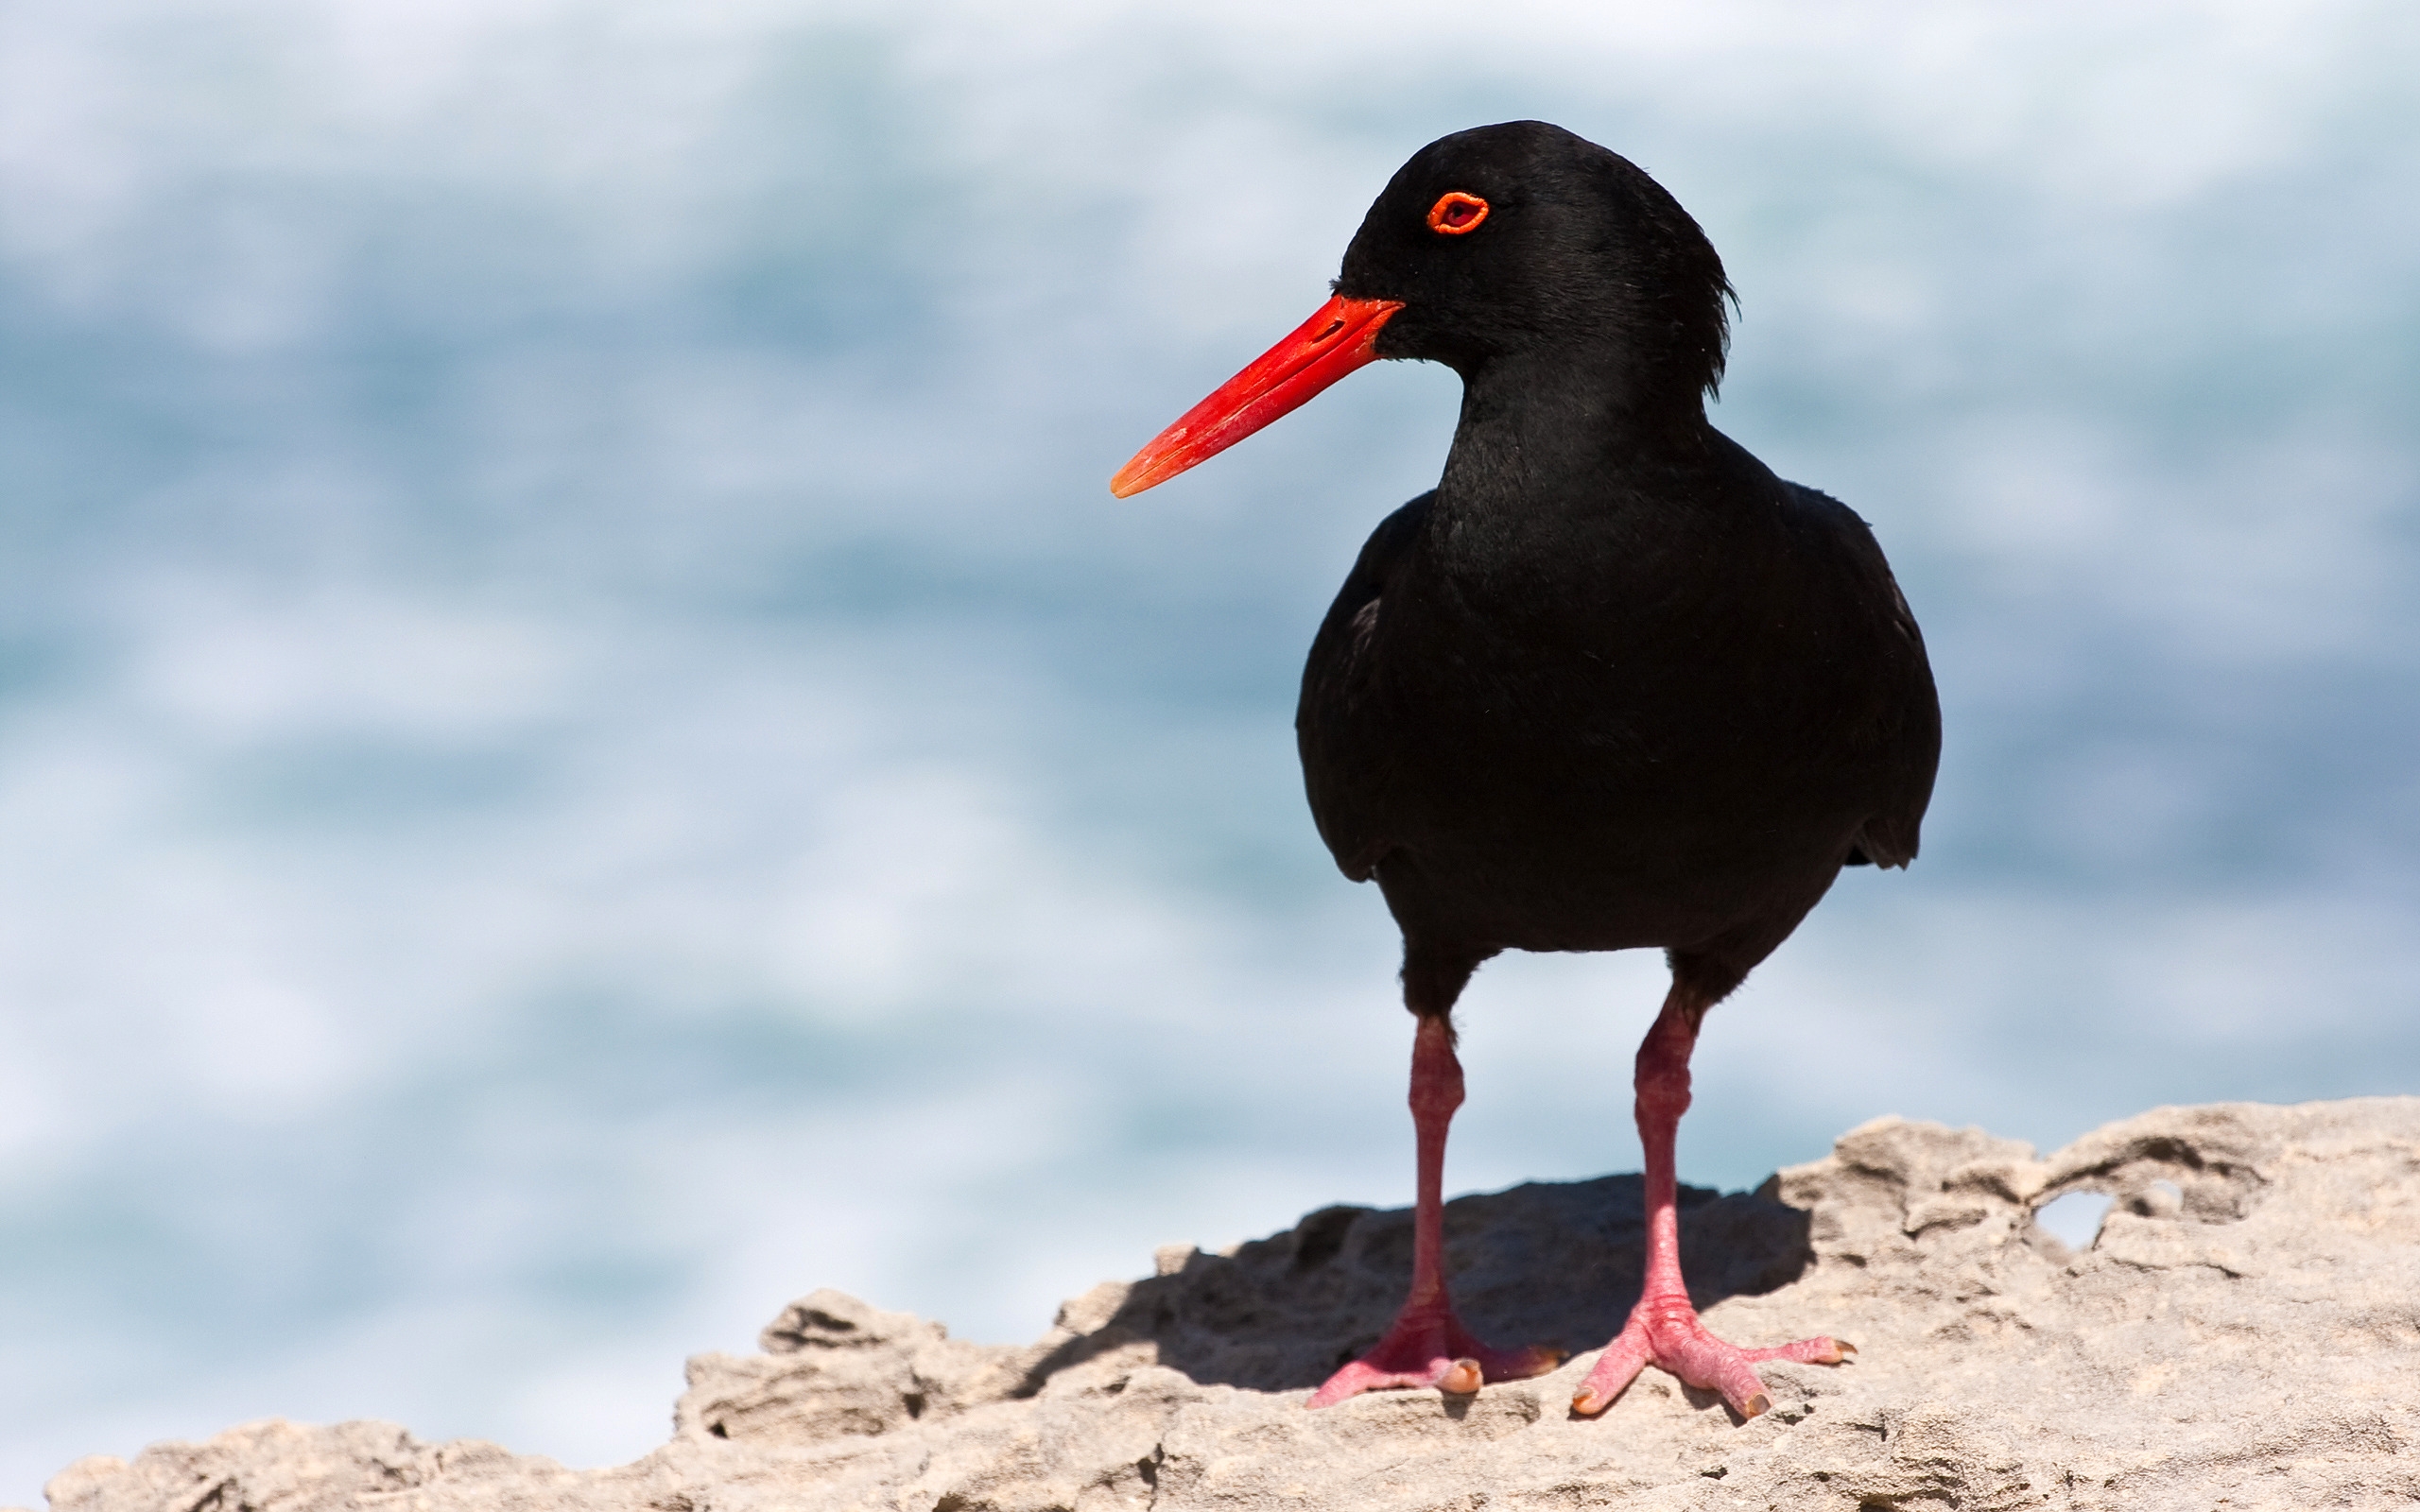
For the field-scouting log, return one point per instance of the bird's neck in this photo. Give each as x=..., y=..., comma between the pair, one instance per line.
x=1549, y=429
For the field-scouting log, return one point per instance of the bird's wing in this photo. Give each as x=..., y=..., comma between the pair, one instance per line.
x=1905, y=721
x=1343, y=752
x=1890, y=837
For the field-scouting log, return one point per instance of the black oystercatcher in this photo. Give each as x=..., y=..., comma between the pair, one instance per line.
x=1611, y=684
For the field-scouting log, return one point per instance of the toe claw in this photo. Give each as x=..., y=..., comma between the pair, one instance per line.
x=1845, y=1348
x=1589, y=1404
x=1757, y=1406
x=1461, y=1379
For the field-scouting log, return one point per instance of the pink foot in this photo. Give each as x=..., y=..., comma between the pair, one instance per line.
x=1429, y=1346
x=1665, y=1332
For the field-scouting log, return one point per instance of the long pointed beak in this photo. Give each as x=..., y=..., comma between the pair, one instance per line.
x=1326, y=347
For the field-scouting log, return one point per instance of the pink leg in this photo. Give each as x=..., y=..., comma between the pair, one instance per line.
x=1427, y=1346
x=1663, y=1330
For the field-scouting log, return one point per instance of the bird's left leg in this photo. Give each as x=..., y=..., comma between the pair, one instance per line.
x=1427, y=1346
x=1663, y=1330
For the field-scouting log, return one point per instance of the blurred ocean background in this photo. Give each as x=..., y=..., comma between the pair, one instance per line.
x=583, y=749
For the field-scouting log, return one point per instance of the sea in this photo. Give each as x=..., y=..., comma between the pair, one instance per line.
x=584, y=750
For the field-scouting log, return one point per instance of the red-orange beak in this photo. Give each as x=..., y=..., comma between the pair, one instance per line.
x=1326, y=347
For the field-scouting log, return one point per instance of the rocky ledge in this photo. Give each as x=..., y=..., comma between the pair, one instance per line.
x=2243, y=1332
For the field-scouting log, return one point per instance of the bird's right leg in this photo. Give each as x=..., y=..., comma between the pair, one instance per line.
x=1427, y=1346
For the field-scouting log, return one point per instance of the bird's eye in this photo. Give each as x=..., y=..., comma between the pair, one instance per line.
x=1457, y=213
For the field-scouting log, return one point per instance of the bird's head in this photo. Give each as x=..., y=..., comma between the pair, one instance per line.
x=1523, y=238
x=1516, y=242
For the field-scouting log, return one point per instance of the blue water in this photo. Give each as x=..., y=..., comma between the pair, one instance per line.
x=583, y=749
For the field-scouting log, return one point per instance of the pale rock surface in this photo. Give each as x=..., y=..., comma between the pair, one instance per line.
x=2244, y=1333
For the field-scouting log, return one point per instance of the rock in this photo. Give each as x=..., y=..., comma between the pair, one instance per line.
x=834, y=1368
x=2243, y=1332
x=283, y=1465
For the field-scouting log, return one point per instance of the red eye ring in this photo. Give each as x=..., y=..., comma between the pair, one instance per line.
x=1457, y=213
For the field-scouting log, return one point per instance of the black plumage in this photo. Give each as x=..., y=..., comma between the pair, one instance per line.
x=1613, y=683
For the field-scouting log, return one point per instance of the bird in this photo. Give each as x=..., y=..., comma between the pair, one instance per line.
x=1612, y=684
